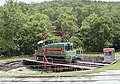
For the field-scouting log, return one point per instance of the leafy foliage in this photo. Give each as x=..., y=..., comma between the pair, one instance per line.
x=89, y=24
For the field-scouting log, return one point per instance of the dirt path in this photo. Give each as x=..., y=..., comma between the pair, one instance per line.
x=10, y=65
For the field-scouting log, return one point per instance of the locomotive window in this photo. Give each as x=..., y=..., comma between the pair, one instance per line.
x=108, y=53
x=71, y=47
x=40, y=45
x=68, y=46
x=48, y=42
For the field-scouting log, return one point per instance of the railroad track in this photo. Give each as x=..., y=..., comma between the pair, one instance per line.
x=35, y=76
x=78, y=65
x=56, y=80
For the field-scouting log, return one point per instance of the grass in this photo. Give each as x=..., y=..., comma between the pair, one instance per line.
x=117, y=54
x=115, y=66
x=9, y=59
x=100, y=54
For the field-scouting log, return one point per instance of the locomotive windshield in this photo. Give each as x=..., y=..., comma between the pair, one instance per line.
x=48, y=42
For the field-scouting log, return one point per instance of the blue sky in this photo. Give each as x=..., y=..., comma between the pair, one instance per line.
x=29, y=1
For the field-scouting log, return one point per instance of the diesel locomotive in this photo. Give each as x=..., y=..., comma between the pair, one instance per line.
x=62, y=50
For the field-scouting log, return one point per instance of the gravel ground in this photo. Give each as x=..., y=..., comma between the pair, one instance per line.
x=21, y=70
x=108, y=77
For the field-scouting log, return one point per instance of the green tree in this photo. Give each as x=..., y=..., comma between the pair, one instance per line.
x=97, y=32
x=12, y=24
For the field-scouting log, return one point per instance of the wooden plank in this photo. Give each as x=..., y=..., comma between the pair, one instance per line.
x=92, y=63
